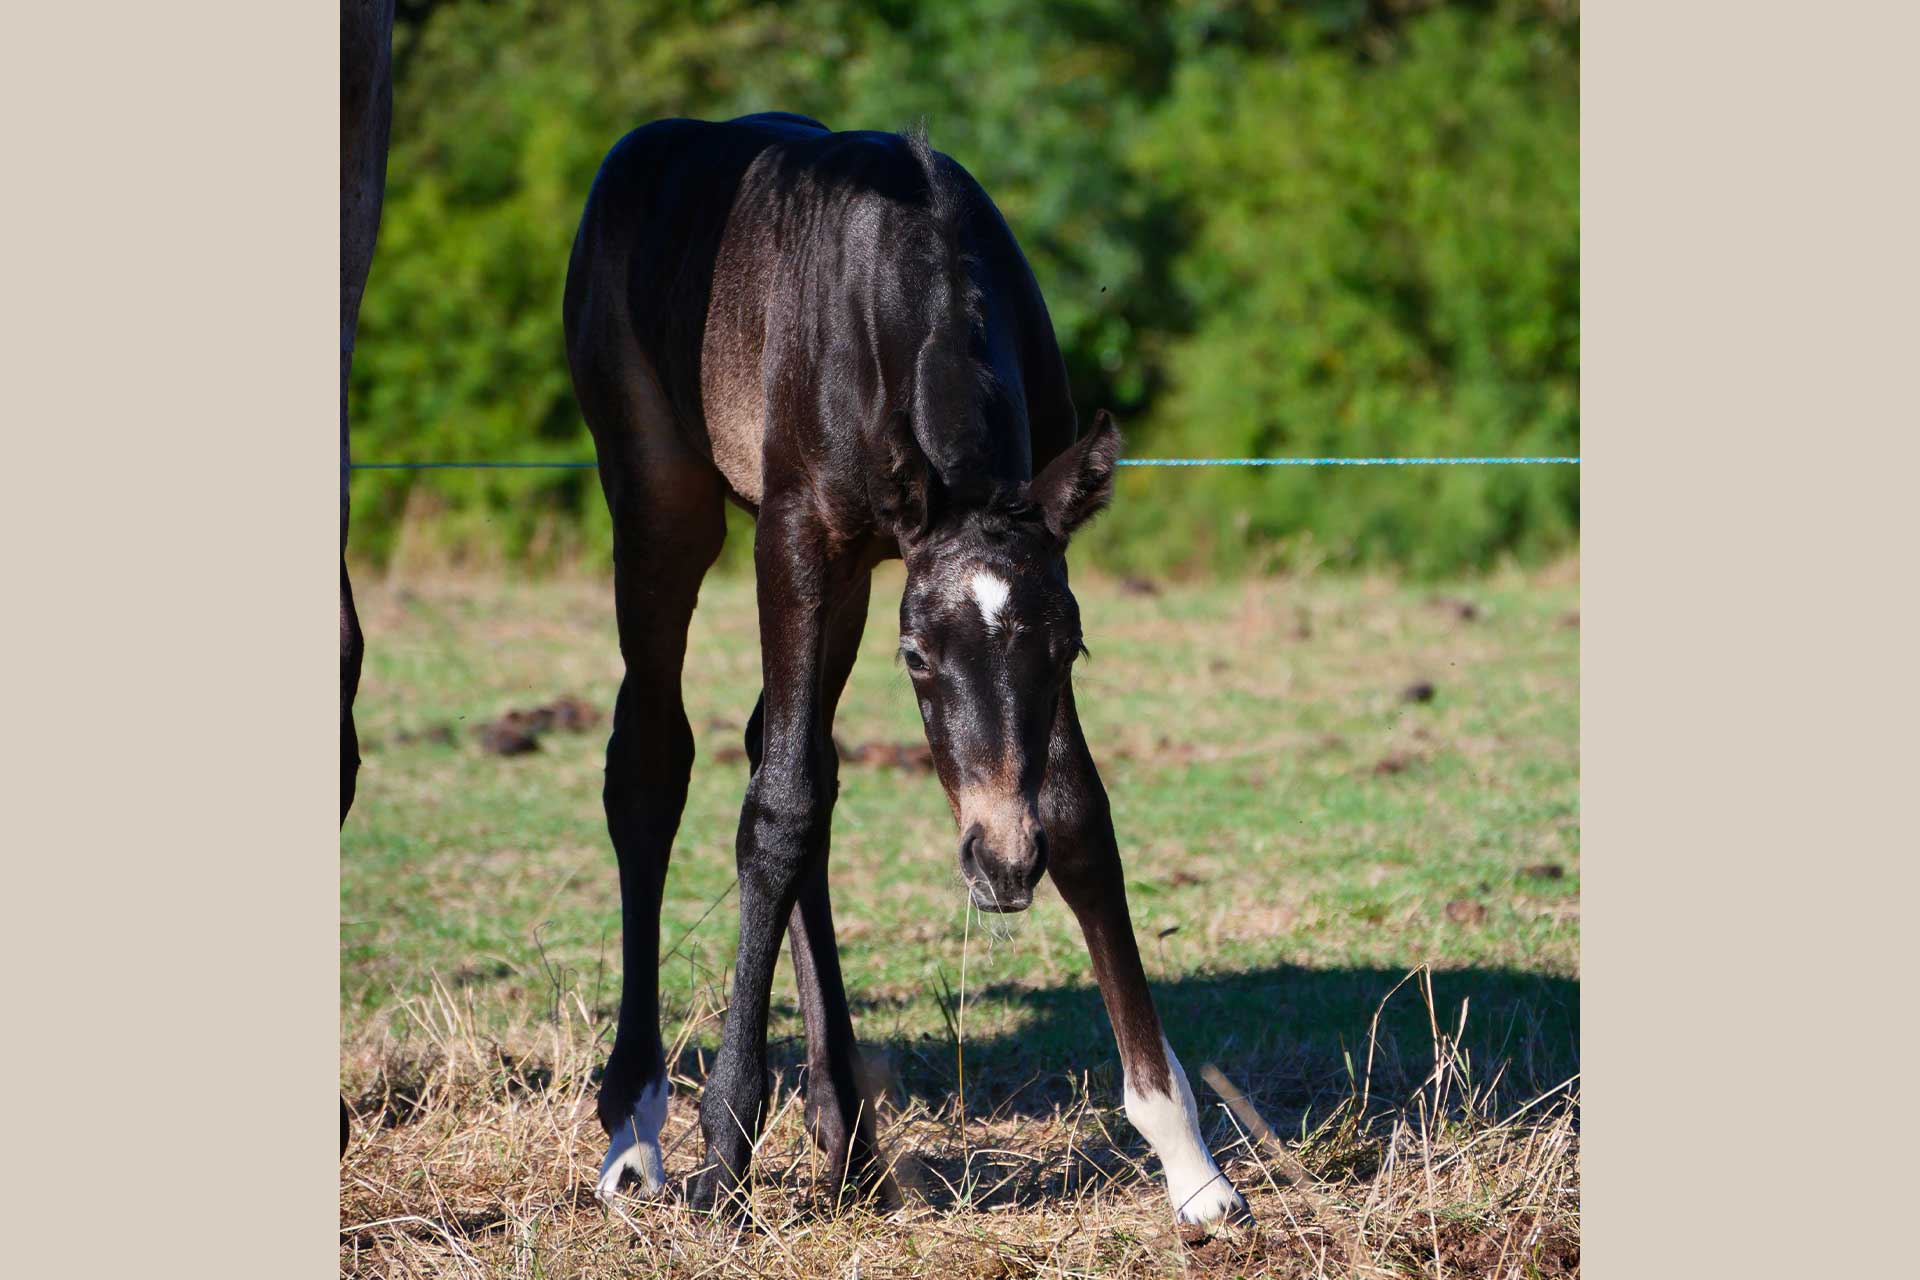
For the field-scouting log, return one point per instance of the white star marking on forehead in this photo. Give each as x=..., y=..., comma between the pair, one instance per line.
x=990, y=593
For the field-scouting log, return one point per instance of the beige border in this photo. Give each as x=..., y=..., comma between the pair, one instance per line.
x=1749, y=329
x=170, y=518
x=1749, y=287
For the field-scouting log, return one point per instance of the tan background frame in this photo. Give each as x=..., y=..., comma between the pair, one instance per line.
x=1750, y=286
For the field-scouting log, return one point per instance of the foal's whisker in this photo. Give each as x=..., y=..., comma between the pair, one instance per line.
x=960, y=1045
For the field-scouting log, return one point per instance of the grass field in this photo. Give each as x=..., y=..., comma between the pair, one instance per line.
x=1304, y=827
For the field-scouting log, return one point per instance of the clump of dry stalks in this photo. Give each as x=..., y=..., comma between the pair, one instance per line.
x=475, y=1155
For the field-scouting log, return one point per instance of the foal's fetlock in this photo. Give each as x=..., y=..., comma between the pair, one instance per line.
x=785, y=831
x=615, y=1102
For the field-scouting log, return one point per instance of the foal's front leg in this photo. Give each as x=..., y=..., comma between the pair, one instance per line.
x=783, y=829
x=1084, y=860
x=841, y=1121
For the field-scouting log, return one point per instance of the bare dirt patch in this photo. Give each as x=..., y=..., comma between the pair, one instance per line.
x=518, y=731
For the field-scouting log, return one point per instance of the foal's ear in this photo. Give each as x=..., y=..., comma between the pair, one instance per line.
x=905, y=489
x=1078, y=483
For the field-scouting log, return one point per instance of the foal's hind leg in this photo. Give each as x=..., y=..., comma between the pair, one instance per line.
x=668, y=527
x=1084, y=861
x=842, y=1126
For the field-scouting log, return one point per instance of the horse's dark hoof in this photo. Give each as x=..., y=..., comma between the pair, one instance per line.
x=714, y=1191
x=837, y=1191
x=868, y=1181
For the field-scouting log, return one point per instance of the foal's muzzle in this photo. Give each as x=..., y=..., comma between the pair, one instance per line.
x=1002, y=879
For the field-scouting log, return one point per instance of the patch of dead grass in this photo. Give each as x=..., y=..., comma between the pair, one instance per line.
x=475, y=1154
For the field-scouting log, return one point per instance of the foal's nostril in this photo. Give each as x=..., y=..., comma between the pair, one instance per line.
x=1039, y=859
x=972, y=845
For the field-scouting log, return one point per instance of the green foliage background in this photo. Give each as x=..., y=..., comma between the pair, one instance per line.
x=1263, y=228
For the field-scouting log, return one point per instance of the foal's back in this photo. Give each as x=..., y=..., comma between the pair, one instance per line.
x=776, y=282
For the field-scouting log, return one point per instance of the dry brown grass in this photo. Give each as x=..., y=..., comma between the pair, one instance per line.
x=474, y=1154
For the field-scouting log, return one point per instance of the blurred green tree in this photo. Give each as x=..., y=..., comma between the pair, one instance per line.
x=1340, y=227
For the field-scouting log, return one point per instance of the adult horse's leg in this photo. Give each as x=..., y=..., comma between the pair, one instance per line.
x=842, y=1126
x=668, y=527
x=1084, y=860
x=782, y=841
x=366, y=112
x=352, y=648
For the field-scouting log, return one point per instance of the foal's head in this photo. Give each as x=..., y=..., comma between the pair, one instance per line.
x=988, y=632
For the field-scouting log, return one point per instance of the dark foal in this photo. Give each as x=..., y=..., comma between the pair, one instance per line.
x=837, y=332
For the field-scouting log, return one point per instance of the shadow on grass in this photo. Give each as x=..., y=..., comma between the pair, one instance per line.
x=1296, y=1040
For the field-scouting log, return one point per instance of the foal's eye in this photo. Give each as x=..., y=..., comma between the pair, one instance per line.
x=913, y=660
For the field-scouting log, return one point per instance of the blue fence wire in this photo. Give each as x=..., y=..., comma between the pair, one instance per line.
x=1125, y=462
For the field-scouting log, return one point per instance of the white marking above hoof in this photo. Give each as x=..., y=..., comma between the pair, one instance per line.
x=1171, y=1125
x=635, y=1147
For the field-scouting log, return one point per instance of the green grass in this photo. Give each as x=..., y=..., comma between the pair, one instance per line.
x=1297, y=836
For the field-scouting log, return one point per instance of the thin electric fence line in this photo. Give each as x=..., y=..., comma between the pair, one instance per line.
x=474, y=466
x=1573, y=460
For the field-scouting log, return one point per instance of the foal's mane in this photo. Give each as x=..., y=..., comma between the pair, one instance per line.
x=919, y=208
x=953, y=296
x=951, y=382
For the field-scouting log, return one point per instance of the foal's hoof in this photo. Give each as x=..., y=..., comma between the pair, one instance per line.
x=869, y=1183
x=1214, y=1202
x=635, y=1148
x=640, y=1159
x=713, y=1191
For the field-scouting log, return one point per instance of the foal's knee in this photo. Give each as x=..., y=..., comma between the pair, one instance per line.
x=652, y=743
x=788, y=816
x=656, y=753
x=648, y=767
